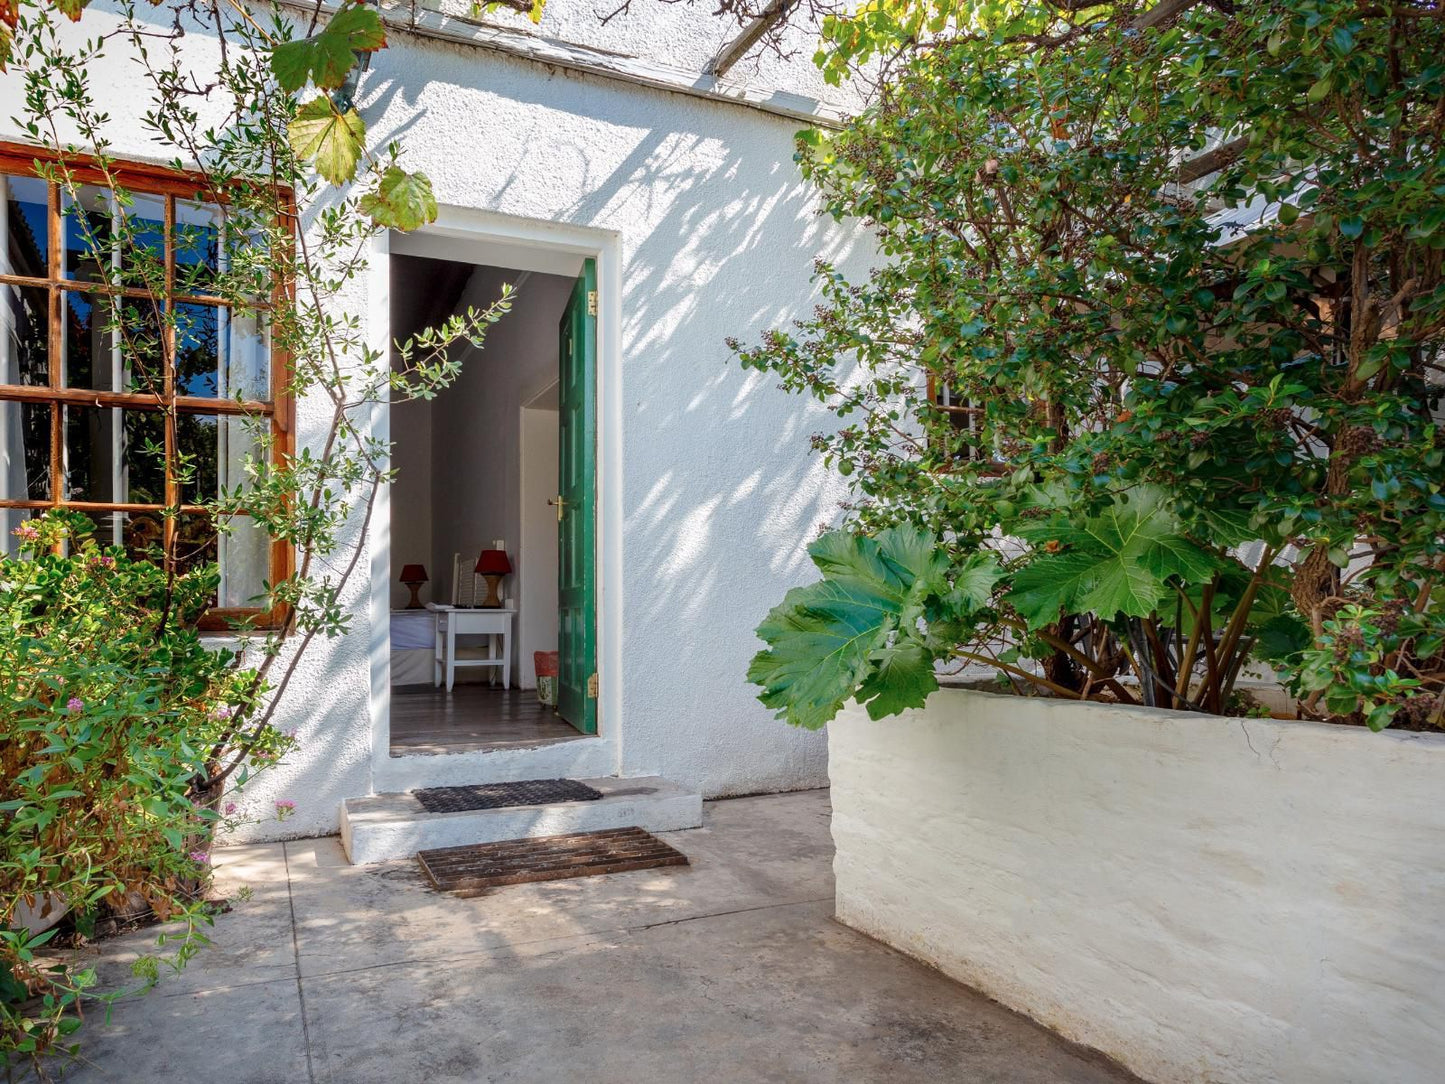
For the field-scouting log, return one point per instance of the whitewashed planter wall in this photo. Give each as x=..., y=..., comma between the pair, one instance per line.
x=1203, y=899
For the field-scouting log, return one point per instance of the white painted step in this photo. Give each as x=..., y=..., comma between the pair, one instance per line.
x=388, y=826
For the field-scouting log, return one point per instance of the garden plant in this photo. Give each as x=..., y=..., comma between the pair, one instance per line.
x=1144, y=392
x=124, y=733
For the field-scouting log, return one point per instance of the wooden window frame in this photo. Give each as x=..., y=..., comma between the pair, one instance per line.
x=21, y=160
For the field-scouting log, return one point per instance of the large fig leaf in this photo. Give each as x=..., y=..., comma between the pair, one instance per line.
x=854, y=633
x=1120, y=561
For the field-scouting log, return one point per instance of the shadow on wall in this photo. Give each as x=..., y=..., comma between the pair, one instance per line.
x=720, y=494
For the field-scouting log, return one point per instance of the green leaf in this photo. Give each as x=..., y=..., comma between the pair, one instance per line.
x=854, y=633
x=1352, y=227
x=973, y=584
x=1117, y=562
x=1049, y=585
x=402, y=200
x=327, y=57
x=902, y=678
x=334, y=141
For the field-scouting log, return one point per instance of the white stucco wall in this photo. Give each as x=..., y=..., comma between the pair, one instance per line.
x=714, y=486
x=1204, y=899
x=719, y=493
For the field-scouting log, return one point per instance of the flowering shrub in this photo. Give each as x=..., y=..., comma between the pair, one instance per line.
x=113, y=717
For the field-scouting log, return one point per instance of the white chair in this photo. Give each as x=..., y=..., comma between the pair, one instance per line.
x=462, y=618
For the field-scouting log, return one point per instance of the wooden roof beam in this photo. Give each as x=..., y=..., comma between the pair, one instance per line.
x=735, y=49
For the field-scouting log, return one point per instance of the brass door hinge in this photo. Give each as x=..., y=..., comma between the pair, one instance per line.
x=592, y=686
x=591, y=302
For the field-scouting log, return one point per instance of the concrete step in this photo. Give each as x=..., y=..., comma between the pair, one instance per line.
x=389, y=826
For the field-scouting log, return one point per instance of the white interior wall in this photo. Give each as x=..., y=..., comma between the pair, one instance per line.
x=537, y=570
x=476, y=491
x=411, y=513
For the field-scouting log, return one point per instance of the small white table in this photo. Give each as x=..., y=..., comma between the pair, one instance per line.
x=495, y=625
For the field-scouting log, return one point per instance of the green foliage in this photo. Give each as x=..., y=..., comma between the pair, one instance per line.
x=118, y=797
x=1182, y=280
x=1126, y=560
x=113, y=716
x=402, y=201
x=326, y=58
x=831, y=638
x=332, y=138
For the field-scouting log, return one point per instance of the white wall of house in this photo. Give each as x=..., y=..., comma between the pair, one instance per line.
x=713, y=483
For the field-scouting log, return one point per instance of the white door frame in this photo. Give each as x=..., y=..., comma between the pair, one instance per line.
x=483, y=237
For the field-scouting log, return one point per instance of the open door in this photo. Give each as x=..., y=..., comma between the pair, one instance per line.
x=576, y=504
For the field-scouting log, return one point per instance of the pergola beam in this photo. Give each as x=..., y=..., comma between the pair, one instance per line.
x=737, y=48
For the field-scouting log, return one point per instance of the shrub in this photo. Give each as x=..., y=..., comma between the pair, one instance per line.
x=1145, y=387
x=113, y=716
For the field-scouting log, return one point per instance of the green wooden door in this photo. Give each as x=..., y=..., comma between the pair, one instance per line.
x=577, y=488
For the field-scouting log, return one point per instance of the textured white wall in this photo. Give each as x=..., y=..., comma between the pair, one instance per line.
x=717, y=489
x=1204, y=899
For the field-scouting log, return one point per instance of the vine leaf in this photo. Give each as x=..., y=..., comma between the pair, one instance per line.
x=332, y=139
x=326, y=57
x=402, y=200
x=855, y=633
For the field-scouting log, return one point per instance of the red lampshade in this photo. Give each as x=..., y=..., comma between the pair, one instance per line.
x=495, y=562
x=413, y=574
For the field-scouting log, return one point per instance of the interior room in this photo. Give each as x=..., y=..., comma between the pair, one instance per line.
x=474, y=536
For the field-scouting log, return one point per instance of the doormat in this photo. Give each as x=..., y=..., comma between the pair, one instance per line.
x=501, y=795
x=471, y=870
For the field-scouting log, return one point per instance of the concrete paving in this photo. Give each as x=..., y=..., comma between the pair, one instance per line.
x=730, y=969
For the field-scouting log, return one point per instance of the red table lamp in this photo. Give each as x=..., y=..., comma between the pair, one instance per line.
x=413, y=576
x=492, y=565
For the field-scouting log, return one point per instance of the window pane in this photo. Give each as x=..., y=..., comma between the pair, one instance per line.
x=108, y=241
x=221, y=354
x=212, y=451
x=24, y=451
x=195, y=542
x=114, y=456
x=24, y=335
x=141, y=533
x=244, y=553
x=26, y=250
x=199, y=233
x=96, y=358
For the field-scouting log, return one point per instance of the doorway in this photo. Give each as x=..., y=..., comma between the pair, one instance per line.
x=471, y=468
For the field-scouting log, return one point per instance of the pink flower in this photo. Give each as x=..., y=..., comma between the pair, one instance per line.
x=284, y=808
x=222, y=712
x=230, y=808
x=74, y=705
x=26, y=532
x=200, y=858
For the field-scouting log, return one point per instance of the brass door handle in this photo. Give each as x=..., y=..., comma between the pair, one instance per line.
x=559, y=503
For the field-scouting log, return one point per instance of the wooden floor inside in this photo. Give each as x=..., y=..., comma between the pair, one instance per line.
x=428, y=721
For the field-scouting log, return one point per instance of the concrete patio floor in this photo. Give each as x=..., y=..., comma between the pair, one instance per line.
x=730, y=969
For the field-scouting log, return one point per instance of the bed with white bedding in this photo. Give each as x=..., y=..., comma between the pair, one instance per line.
x=413, y=647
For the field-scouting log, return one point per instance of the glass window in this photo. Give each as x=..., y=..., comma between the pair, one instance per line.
x=150, y=390
x=24, y=334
